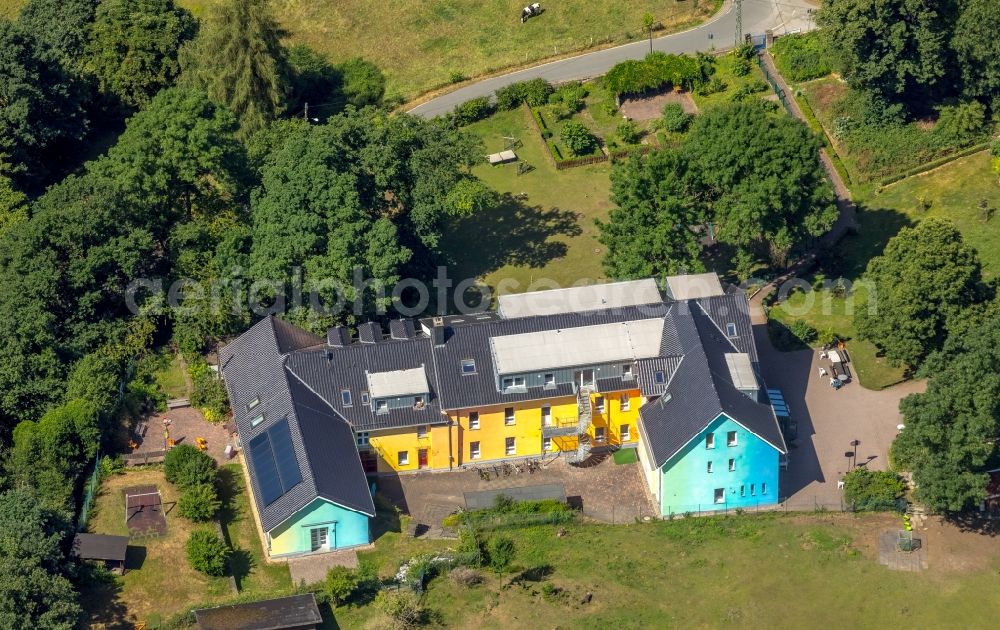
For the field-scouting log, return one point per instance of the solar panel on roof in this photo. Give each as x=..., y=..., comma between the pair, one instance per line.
x=263, y=465
x=284, y=455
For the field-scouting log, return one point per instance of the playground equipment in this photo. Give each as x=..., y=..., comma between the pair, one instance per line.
x=201, y=443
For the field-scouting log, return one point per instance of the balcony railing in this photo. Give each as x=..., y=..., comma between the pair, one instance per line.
x=560, y=427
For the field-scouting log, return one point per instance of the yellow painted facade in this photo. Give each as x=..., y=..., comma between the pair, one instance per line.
x=458, y=442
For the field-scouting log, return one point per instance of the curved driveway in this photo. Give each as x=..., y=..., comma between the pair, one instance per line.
x=758, y=16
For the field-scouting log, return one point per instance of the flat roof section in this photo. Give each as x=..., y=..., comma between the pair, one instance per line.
x=579, y=299
x=694, y=286
x=741, y=370
x=581, y=346
x=297, y=611
x=398, y=383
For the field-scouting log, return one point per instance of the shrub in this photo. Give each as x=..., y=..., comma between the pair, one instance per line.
x=741, y=67
x=199, y=503
x=748, y=89
x=675, y=118
x=472, y=110
x=471, y=549
x=535, y=92
x=873, y=489
x=362, y=82
x=402, y=609
x=801, y=57
x=546, y=133
x=629, y=132
x=112, y=466
x=340, y=584
x=501, y=550
x=803, y=331
x=570, y=95
x=208, y=392
x=207, y=553
x=961, y=124
x=577, y=138
x=712, y=86
x=186, y=466
x=456, y=77
x=464, y=576
x=745, y=52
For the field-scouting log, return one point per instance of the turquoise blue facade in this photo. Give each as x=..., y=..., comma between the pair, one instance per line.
x=686, y=485
x=344, y=528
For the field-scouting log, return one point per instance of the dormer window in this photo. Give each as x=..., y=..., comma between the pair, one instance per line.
x=550, y=380
x=345, y=397
x=253, y=403
x=257, y=420
x=468, y=366
x=660, y=377
x=381, y=406
x=418, y=402
x=627, y=371
x=731, y=329
x=513, y=382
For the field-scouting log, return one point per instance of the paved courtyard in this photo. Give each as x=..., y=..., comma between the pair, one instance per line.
x=607, y=492
x=829, y=420
x=186, y=424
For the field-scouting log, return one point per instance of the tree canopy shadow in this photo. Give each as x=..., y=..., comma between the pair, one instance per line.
x=512, y=233
x=849, y=258
x=99, y=595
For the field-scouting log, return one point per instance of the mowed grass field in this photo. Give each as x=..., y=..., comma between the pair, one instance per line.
x=749, y=571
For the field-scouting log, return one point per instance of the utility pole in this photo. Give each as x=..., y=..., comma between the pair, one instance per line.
x=739, y=22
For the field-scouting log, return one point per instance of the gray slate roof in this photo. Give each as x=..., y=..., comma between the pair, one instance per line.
x=701, y=387
x=297, y=611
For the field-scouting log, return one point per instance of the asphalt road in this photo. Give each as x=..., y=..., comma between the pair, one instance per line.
x=758, y=16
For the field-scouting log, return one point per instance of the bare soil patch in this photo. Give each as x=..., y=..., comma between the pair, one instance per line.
x=651, y=107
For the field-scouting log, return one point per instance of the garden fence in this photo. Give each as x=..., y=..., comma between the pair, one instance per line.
x=624, y=512
x=89, y=492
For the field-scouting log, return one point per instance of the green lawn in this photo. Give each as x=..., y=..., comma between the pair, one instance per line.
x=169, y=374
x=953, y=191
x=741, y=571
x=549, y=235
x=724, y=71
x=421, y=44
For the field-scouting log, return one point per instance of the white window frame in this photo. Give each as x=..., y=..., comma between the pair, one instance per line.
x=720, y=496
x=381, y=407
x=365, y=399
x=627, y=372
x=549, y=381
x=403, y=458
x=600, y=434
x=253, y=403
x=363, y=438
x=475, y=452
x=753, y=489
x=735, y=441
x=520, y=382
x=546, y=415
x=743, y=490
x=710, y=441
x=600, y=403
x=422, y=431
x=506, y=383
x=731, y=331
x=625, y=401
x=419, y=403
x=763, y=488
x=345, y=398
x=319, y=538
x=709, y=467
x=510, y=446
x=509, y=420
x=732, y=465
x=473, y=420
x=256, y=420
x=468, y=363
x=626, y=433
x=546, y=444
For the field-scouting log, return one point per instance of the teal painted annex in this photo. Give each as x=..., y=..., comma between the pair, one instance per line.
x=733, y=468
x=320, y=526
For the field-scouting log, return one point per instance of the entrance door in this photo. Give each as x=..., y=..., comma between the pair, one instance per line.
x=319, y=538
x=369, y=463
x=422, y=458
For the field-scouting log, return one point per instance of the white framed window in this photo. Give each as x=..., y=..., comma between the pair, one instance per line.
x=626, y=434
x=627, y=372
x=753, y=490
x=403, y=458
x=720, y=495
x=381, y=406
x=257, y=420
x=468, y=366
x=345, y=397
x=600, y=434
x=763, y=488
x=510, y=446
x=743, y=491
x=513, y=382
x=599, y=404
x=731, y=329
x=506, y=382
x=253, y=403
x=319, y=538
x=732, y=465
x=626, y=402
x=365, y=399
x=519, y=381
x=546, y=416
x=508, y=416
x=546, y=444
x=731, y=438
x=473, y=420
x=550, y=381
x=710, y=440
x=362, y=438
x=418, y=402
x=660, y=377
x=422, y=431
x=708, y=467
x=473, y=450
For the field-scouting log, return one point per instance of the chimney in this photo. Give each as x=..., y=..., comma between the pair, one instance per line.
x=338, y=337
x=402, y=329
x=369, y=332
x=438, y=334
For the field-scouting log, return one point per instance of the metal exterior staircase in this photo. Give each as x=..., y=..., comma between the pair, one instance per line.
x=585, y=418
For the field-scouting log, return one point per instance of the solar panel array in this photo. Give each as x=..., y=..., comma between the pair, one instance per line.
x=274, y=462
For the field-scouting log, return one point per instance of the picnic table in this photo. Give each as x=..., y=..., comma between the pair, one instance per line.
x=501, y=158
